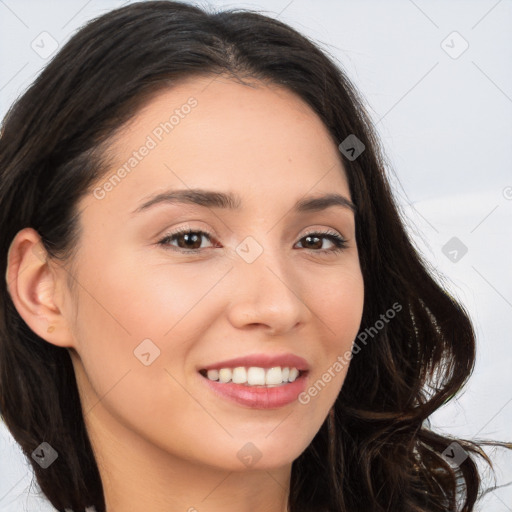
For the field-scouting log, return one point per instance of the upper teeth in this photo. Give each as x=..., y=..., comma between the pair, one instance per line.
x=254, y=375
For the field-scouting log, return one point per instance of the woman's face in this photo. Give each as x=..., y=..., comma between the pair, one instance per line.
x=152, y=310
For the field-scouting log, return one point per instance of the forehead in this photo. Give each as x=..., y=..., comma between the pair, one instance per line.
x=215, y=133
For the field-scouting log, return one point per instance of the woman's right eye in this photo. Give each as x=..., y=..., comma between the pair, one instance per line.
x=188, y=240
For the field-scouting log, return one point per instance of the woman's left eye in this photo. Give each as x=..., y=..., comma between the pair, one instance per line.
x=189, y=241
x=339, y=243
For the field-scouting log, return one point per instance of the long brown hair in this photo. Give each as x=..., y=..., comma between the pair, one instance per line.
x=374, y=451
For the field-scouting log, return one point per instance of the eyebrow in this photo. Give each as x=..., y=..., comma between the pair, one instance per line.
x=231, y=201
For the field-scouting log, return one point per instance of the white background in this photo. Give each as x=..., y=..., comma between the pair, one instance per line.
x=446, y=126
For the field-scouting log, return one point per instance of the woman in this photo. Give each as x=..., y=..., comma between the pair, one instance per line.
x=211, y=300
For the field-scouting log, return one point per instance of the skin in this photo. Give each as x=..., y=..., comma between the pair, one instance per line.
x=163, y=440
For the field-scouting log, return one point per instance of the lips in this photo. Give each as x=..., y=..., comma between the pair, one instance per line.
x=259, y=396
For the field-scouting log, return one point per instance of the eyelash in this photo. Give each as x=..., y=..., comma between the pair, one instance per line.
x=339, y=242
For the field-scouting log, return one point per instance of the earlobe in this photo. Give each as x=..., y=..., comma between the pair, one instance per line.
x=33, y=286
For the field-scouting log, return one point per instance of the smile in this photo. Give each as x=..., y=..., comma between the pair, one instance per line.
x=248, y=387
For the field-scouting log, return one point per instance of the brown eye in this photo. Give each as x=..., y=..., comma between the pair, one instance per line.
x=314, y=241
x=188, y=240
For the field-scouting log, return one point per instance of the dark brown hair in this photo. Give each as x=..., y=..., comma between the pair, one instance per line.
x=375, y=451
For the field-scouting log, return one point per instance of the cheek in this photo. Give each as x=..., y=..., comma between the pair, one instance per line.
x=132, y=300
x=338, y=306
x=338, y=302
x=129, y=370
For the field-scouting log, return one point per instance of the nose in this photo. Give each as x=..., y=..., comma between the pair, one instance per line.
x=268, y=294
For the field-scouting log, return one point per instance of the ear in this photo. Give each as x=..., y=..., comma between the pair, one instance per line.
x=36, y=288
